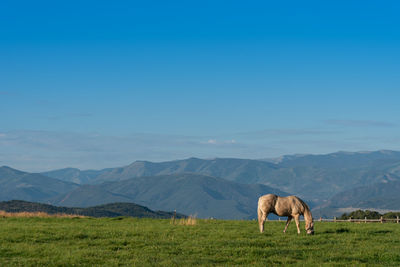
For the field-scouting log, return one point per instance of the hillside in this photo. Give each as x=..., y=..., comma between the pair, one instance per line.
x=378, y=196
x=15, y=184
x=92, y=195
x=73, y=175
x=109, y=210
x=191, y=194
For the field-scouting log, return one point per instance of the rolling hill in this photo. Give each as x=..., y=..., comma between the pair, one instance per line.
x=108, y=210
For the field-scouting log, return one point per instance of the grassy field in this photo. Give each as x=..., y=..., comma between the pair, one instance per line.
x=149, y=242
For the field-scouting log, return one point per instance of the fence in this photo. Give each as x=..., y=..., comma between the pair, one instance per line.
x=365, y=220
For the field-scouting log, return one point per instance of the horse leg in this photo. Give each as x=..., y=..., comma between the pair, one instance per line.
x=289, y=218
x=296, y=218
x=261, y=219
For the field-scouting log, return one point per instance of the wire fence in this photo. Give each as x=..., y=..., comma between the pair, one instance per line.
x=365, y=220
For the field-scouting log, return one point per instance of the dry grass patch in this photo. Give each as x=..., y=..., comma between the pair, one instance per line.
x=191, y=220
x=25, y=214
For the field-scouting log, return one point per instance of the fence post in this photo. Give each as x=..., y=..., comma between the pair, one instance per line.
x=173, y=218
x=334, y=219
x=381, y=219
x=397, y=219
x=365, y=219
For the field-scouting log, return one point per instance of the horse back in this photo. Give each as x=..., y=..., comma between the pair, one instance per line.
x=267, y=203
x=291, y=205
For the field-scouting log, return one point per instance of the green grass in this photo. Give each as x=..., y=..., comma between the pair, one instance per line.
x=149, y=242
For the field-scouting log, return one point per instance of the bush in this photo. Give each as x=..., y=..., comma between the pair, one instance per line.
x=361, y=214
x=391, y=215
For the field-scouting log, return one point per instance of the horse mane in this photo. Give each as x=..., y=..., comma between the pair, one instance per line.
x=307, y=211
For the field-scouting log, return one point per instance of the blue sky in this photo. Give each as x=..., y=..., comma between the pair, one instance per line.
x=95, y=84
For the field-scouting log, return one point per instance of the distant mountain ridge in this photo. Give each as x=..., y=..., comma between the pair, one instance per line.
x=313, y=177
x=230, y=169
x=15, y=184
x=345, y=160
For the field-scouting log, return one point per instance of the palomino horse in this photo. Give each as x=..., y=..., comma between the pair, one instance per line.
x=290, y=206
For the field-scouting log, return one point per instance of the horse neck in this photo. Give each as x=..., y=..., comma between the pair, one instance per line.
x=307, y=215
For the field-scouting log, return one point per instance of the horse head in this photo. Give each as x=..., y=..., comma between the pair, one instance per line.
x=310, y=228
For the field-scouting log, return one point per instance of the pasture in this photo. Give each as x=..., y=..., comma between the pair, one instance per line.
x=149, y=242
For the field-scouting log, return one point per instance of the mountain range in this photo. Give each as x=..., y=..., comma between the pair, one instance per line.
x=313, y=177
x=223, y=187
x=192, y=194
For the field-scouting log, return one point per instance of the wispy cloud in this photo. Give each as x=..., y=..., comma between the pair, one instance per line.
x=45, y=150
x=216, y=142
x=360, y=123
x=269, y=133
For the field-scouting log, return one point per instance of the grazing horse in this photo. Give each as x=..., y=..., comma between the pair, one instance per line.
x=290, y=206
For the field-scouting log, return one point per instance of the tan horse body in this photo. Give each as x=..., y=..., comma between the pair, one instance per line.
x=290, y=206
